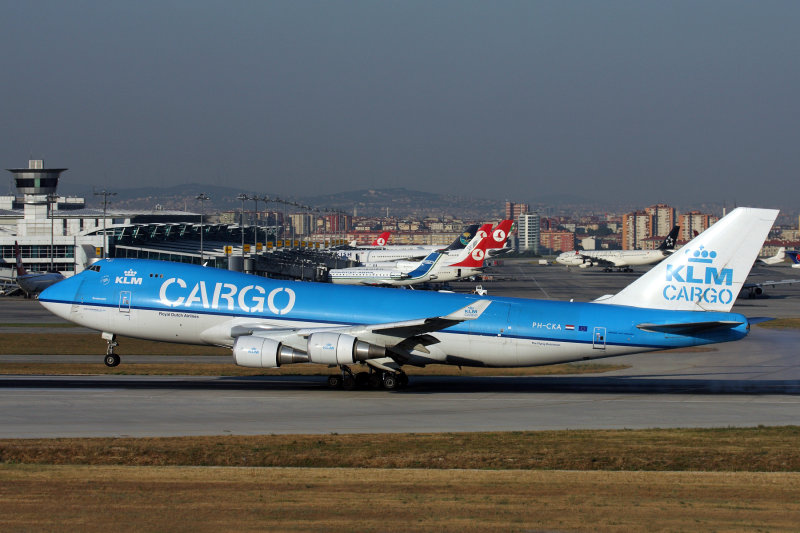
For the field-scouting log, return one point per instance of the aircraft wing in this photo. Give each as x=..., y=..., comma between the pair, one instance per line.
x=757, y=289
x=390, y=334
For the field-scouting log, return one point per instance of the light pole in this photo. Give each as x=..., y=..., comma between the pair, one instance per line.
x=105, y=194
x=52, y=198
x=242, y=197
x=255, y=199
x=265, y=199
x=202, y=197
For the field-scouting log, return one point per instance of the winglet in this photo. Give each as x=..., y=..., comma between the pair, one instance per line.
x=470, y=312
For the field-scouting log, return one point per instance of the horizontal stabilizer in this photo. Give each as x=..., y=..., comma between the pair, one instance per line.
x=687, y=328
x=759, y=319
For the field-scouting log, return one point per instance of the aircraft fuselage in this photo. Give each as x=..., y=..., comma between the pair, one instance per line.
x=195, y=305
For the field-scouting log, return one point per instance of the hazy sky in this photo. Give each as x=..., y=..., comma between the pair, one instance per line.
x=683, y=102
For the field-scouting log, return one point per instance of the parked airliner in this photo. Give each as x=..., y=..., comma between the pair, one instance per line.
x=683, y=301
x=620, y=259
x=33, y=283
x=439, y=266
x=400, y=252
x=496, y=241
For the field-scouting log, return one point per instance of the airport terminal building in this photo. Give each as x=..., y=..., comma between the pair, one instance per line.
x=59, y=233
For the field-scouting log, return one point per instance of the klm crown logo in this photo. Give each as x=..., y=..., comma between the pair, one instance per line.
x=129, y=278
x=701, y=255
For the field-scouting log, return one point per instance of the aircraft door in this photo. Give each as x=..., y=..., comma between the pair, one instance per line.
x=125, y=302
x=599, y=338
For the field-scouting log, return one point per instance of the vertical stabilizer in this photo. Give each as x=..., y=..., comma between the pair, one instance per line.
x=382, y=239
x=475, y=252
x=708, y=273
x=20, y=269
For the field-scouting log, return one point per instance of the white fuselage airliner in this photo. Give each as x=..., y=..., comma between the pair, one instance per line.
x=620, y=259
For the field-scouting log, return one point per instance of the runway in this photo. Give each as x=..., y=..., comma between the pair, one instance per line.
x=746, y=383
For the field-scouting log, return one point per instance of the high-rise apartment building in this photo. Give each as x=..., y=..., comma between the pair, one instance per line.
x=528, y=231
x=515, y=210
x=694, y=223
x=636, y=227
x=663, y=218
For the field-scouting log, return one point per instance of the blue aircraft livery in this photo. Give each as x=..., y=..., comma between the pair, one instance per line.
x=270, y=323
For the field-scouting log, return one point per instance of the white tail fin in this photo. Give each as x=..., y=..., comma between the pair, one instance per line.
x=708, y=273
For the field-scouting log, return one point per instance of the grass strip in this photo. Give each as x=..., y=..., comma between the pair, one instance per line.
x=761, y=449
x=89, y=343
x=36, y=498
x=780, y=323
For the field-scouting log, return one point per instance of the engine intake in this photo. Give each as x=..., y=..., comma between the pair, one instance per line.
x=329, y=348
x=262, y=352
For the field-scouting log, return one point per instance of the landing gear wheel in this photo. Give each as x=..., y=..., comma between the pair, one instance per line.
x=335, y=381
x=362, y=380
x=402, y=379
x=112, y=360
x=389, y=381
x=348, y=382
x=375, y=380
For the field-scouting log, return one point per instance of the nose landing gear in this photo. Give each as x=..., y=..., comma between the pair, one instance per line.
x=111, y=359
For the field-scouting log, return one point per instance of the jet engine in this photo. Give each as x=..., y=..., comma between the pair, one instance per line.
x=262, y=352
x=330, y=348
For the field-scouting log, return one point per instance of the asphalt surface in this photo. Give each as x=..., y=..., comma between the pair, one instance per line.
x=745, y=383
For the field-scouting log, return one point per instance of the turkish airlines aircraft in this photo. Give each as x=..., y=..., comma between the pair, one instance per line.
x=399, y=252
x=496, y=241
x=438, y=266
x=683, y=301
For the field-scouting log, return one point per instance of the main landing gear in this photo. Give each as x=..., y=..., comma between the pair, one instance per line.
x=374, y=379
x=111, y=359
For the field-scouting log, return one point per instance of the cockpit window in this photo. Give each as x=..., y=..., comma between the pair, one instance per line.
x=94, y=268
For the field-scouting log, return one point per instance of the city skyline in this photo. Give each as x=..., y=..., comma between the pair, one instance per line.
x=683, y=103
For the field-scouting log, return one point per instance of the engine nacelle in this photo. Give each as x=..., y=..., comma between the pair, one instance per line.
x=330, y=348
x=261, y=352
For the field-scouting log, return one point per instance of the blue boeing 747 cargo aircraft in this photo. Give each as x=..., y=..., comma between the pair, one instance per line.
x=683, y=301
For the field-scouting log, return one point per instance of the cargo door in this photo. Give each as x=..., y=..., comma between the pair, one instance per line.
x=599, y=338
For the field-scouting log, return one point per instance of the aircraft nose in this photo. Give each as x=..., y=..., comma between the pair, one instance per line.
x=58, y=298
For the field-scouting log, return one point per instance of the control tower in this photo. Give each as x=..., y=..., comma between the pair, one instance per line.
x=36, y=183
x=36, y=180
